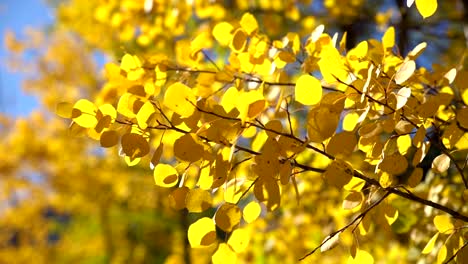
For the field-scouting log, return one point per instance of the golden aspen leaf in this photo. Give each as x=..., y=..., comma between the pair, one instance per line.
x=416, y=51
x=355, y=184
x=251, y=211
x=188, y=148
x=239, y=240
x=338, y=173
x=388, y=39
x=350, y=121
x=331, y=242
x=285, y=172
x=426, y=7
x=109, y=139
x=238, y=41
x=430, y=244
x=274, y=126
x=359, y=52
x=316, y=33
x=202, y=233
x=442, y=254
x=362, y=257
x=256, y=108
x=386, y=180
x=131, y=162
x=180, y=99
x=402, y=97
x=465, y=195
x=394, y=164
x=415, y=177
x=331, y=65
x=443, y=224
x=308, y=90
x=322, y=121
x=419, y=137
x=403, y=144
x=249, y=132
x=159, y=79
x=229, y=99
x=227, y=217
x=266, y=190
x=224, y=255
x=421, y=153
x=177, y=198
x=64, y=110
x=462, y=117
x=441, y=163
x=205, y=180
x=352, y=200
x=249, y=23
x=198, y=200
x=165, y=175
x=391, y=214
x=450, y=75
x=342, y=143
x=131, y=64
x=134, y=145
x=222, y=33
x=144, y=114
x=405, y=71
x=84, y=113
x=157, y=155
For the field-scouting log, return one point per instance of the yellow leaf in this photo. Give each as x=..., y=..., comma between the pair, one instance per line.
x=157, y=155
x=251, y=211
x=362, y=257
x=388, y=39
x=462, y=117
x=64, y=109
x=239, y=240
x=177, y=198
x=413, y=54
x=84, y=113
x=188, y=148
x=391, y=214
x=165, y=175
x=198, y=200
x=441, y=163
x=402, y=97
x=338, y=173
x=202, y=233
x=274, y=125
x=134, y=145
x=405, y=71
x=322, y=121
x=430, y=245
x=222, y=33
x=342, y=144
x=109, y=139
x=331, y=242
x=227, y=217
x=331, y=65
x=180, y=99
x=442, y=255
x=131, y=64
x=350, y=121
x=238, y=41
x=266, y=190
x=352, y=200
x=403, y=143
x=144, y=114
x=224, y=255
x=249, y=23
x=394, y=164
x=426, y=7
x=443, y=224
x=308, y=90
x=415, y=177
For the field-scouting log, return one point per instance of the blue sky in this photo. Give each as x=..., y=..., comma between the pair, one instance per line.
x=16, y=15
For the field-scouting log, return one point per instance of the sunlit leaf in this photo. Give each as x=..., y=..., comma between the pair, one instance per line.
x=165, y=175
x=227, y=217
x=224, y=255
x=430, y=244
x=331, y=242
x=405, y=71
x=308, y=90
x=426, y=7
x=443, y=224
x=202, y=233
x=198, y=200
x=441, y=163
x=180, y=99
x=251, y=211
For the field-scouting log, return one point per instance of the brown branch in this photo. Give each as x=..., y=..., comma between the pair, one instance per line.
x=456, y=253
x=360, y=216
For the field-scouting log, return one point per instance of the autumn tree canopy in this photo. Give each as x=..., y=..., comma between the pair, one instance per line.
x=242, y=131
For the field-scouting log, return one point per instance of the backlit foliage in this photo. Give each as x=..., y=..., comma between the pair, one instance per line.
x=272, y=141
